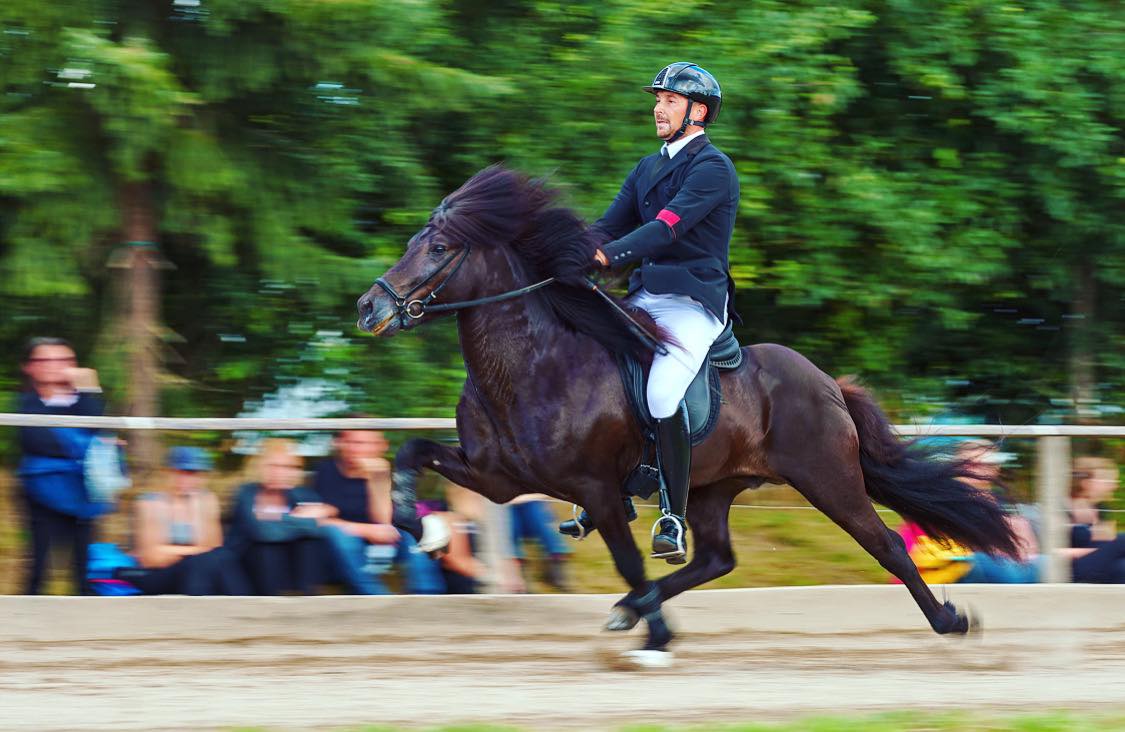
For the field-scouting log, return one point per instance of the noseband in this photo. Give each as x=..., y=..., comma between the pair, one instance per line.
x=408, y=307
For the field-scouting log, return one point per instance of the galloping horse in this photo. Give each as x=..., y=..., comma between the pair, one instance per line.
x=543, y=408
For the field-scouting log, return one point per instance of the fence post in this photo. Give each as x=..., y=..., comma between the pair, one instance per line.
x=496, y=539
x=1053, y=483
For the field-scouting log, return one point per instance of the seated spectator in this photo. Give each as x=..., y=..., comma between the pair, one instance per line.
x=58, y=509
x=531, y=519
x=356, y=483
x=464, y=512
x=179, y=537
x=276, y=524
x=941, y=561
x=1093, y=483
x=1096, y=551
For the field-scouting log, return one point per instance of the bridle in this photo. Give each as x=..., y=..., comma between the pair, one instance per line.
x=408, y=307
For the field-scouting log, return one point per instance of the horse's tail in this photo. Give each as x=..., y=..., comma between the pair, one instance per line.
x=914, y=481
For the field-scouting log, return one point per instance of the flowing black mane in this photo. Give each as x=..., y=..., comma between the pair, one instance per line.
x=502, y=207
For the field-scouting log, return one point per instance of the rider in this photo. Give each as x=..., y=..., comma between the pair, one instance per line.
x=674, y=214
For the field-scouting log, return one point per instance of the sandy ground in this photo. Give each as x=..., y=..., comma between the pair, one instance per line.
x=298, y=664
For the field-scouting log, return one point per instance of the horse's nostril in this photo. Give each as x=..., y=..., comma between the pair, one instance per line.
x=364, y=305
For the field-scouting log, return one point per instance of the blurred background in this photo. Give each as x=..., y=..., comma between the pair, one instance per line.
x=195, y=192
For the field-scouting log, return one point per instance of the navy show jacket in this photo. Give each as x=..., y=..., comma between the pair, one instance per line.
x=676, y=217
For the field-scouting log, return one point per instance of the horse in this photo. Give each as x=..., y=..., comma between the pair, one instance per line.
x=543, y=409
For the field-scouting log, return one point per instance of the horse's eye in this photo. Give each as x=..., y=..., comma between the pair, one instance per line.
x=437, y=249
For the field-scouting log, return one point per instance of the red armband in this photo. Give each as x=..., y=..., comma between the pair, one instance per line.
x=670, y=218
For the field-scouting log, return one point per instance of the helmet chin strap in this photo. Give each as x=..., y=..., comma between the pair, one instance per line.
x=687, y=121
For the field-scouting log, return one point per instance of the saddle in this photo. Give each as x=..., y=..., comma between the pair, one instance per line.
x=704, y=399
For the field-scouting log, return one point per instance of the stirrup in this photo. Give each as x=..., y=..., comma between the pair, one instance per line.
x=680, y=552
x=583, y=532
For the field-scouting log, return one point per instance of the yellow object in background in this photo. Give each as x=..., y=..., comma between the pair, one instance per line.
x=941, y=563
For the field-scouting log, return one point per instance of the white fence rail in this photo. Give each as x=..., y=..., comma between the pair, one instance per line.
x=1052, y=470
x=438, y=423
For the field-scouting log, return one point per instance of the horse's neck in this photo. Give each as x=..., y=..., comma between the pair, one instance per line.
x=505, y=345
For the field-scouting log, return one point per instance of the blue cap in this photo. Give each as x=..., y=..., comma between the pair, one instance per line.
x=188, y=458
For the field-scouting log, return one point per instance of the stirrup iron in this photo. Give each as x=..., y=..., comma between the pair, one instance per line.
x=575, y=512
x=680, y=553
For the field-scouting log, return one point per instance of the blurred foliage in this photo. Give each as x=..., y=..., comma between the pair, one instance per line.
x=932, y=192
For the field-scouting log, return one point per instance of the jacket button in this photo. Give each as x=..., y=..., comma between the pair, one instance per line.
x=647, y=204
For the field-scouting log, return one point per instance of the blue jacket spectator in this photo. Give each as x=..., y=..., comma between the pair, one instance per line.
x=51, y=470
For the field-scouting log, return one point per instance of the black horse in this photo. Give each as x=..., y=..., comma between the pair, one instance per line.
x=543, y=408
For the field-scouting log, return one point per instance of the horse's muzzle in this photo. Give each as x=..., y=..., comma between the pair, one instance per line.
x=376, y=316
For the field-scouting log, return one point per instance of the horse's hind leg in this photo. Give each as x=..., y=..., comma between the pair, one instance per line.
x=708, y=514
x=836, y=487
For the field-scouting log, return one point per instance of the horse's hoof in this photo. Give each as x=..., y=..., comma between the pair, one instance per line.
x=622, y=618
x=641, y=660
x=966, y=621
x=435, y=536
x=971, y=618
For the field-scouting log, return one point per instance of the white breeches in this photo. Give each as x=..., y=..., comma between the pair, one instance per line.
x=694, y=329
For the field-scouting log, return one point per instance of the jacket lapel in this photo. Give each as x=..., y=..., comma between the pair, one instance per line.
x=662, y=169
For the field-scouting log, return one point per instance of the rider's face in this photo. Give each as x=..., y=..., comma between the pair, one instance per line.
x=669, y=110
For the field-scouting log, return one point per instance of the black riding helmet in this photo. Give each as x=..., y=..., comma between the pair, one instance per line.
x=693, y=82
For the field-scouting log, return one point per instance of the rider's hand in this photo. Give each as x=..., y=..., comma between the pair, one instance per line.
x=601, y=259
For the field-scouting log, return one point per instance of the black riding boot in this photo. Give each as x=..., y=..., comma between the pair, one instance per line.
x=582, y=526
x=673, y=442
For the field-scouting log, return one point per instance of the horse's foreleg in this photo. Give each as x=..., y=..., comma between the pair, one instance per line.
x=644, y=600
x=410, y=459
x=451, y=463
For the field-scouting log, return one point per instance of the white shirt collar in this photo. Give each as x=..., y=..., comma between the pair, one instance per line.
x=60, y=400
x=680, y=144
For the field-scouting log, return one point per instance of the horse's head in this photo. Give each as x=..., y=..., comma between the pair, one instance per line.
x=458, y=254
x=434, y=263
x=499, y=236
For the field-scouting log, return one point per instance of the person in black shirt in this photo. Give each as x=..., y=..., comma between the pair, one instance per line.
x=357, y=483
x=59, y=511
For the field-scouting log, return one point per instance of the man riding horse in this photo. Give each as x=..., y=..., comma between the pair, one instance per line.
x=541, y=409
x=674, y=214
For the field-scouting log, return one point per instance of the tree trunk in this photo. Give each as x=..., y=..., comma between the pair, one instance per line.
x=142, y=293
x=1082, y=370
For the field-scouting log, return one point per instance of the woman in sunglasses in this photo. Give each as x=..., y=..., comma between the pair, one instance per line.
x=58, y=509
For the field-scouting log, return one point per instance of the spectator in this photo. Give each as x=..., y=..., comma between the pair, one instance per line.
x=945, y=562
x=276, y=524
x=531, y=519
x=464, y=511
x=51, y=470
x=1093, y=482
x=1097, y=552
x=179, y=536
x=356, y=483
